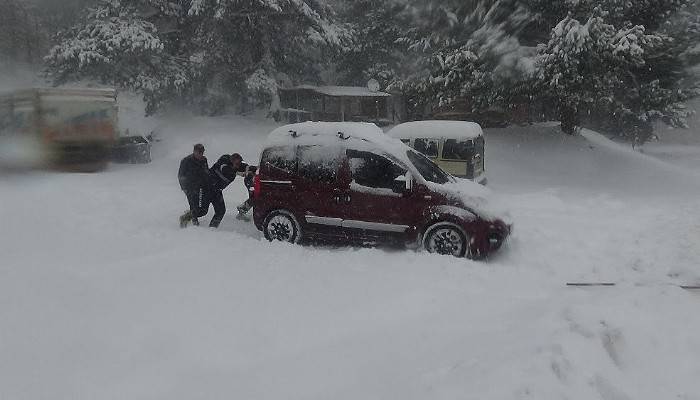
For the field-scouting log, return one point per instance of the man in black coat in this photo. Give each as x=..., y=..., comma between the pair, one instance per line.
x=193, y=176
x=222, y=174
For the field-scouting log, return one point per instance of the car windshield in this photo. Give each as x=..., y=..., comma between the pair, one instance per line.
x=428, y=169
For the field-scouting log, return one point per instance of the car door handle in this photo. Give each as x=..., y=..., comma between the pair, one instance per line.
x=342, y=198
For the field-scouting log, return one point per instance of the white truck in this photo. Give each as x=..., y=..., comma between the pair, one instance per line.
x=64, y=129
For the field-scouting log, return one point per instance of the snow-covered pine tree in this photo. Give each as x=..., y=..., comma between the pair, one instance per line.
x=684, y=27
x=373, y=51
x=59, y=16
x=206, y=53
x=467, y=51
x=249, y=46
x=118, y=44
x=614, y=65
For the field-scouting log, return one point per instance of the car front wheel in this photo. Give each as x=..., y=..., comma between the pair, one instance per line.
x=446, y=239
x=281, y=226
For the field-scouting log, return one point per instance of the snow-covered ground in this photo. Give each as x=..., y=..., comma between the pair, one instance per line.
x=679, y=146
x=102, y=296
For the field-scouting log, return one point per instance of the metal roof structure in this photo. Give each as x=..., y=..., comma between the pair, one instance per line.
x=340, y=91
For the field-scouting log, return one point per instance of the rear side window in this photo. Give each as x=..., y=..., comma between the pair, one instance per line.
x=428, y=147
x=280, y=158
x=320, y=163
x=372, y=170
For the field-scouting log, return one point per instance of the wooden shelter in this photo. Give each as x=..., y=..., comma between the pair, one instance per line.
x=336, y=104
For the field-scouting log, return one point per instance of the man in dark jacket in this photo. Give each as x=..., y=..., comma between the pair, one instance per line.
x=222, y=174
x=195, y=182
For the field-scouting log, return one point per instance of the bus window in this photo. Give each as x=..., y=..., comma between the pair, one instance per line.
x=454, y=150
x=428, y=147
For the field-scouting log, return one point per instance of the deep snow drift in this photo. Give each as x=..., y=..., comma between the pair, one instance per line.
x=102, y=296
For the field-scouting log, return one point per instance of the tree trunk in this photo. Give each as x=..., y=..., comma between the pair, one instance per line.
x=570, y=119
x=270, y=70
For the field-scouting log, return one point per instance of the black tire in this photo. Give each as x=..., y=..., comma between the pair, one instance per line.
x=281, y=226
x=446, y=238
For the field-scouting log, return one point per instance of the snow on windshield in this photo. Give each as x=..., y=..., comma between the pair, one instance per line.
x=428, y=170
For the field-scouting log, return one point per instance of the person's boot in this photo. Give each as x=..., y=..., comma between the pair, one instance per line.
x=243, y=211
x=185, y=219
x=215, y=222
x=195, y=222
x=242, y=214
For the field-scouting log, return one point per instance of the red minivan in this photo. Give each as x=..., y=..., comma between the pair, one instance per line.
x=349, y=183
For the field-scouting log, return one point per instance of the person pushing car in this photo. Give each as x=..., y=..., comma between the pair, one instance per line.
x=222, y=174
x=248, y=181
x=193, y=176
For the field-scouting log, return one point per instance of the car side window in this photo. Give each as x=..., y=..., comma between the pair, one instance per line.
x=281, y=158
x=372, y=170
x=319, y=163
x=428, y=147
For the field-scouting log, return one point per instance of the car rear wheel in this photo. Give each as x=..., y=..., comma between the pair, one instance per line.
x=446, y=239
x=281, y=226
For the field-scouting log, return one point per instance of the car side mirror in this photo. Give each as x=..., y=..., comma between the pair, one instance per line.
x=403, y=184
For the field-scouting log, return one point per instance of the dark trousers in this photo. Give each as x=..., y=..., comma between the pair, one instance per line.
x=248, y=204
x=199, y=202
x=217, y=200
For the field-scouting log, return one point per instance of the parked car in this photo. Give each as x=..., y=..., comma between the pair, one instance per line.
x=349, y=183
x=456, y=146
x=132, y=150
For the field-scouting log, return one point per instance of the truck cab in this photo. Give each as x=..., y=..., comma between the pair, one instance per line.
x=65, y=129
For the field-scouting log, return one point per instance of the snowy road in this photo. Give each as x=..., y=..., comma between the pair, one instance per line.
x=102, y=296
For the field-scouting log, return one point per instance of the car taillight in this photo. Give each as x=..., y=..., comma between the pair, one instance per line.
x=257, y=186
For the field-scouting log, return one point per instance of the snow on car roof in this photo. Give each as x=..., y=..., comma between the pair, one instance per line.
x=313, y=132
x=354, y=135
x=437, y=129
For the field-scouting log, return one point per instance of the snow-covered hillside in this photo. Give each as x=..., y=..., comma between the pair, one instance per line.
x=679, y=146
x=102, y=296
